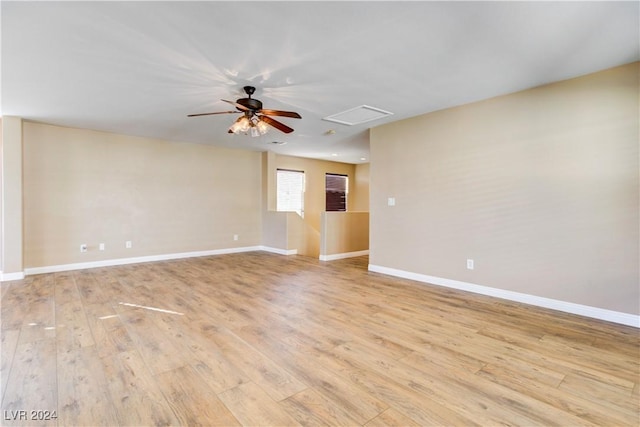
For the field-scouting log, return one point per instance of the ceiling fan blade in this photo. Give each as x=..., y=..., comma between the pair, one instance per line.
x=238, y=106
x=210, y=114
x=276, y=124
x=291, y=114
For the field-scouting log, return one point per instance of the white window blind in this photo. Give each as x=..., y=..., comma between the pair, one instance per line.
x=290, y=191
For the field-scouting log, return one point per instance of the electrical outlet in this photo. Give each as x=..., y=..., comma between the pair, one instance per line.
x=235, y=237
x=391, y=201
x=83, y=247
x=470, y=264
x=127, y=244
x=101, y=247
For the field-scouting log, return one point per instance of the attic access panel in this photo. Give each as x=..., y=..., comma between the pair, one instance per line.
x=358, y=115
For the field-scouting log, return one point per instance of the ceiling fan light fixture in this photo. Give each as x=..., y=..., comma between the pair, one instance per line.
x=235, y=127
x=262, y=127
x=245, y=124
x=240, y=125
x=249, y=126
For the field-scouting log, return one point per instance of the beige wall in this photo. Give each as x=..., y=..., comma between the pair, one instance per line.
x=11, y=217
x=539, y=187
x=301, y=236
x=314, y=172
x=90, y=187
x=1, y=204
x=360, y=198
x=344, y=233
x=314, y=201
x=274, y=230
x=83, y=186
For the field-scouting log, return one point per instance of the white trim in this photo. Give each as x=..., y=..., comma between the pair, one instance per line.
x=568, y=307
x=6, y=277
x=136, y=260
x=279, y=251
x=150, y=258
x=343, y=255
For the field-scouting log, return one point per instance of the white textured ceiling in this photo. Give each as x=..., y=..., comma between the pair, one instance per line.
x=139, y=68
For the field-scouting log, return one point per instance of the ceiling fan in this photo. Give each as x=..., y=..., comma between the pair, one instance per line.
x=254, y=120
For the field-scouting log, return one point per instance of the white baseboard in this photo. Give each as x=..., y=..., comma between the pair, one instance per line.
x=343, y=255
x=567, y=307
x=136, y=260
x=6, y=277
x=150, y=258
x=279, y=251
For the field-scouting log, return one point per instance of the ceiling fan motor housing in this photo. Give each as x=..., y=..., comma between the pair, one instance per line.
x=250, y=103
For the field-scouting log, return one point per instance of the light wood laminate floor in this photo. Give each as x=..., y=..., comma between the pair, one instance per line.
x=261, y=339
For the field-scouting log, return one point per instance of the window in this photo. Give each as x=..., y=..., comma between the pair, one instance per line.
x=290, y=191
x=336, y=192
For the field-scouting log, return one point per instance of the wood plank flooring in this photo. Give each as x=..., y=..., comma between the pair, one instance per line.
x=258, y=339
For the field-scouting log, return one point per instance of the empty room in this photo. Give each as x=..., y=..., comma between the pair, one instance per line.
x=300, y=213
